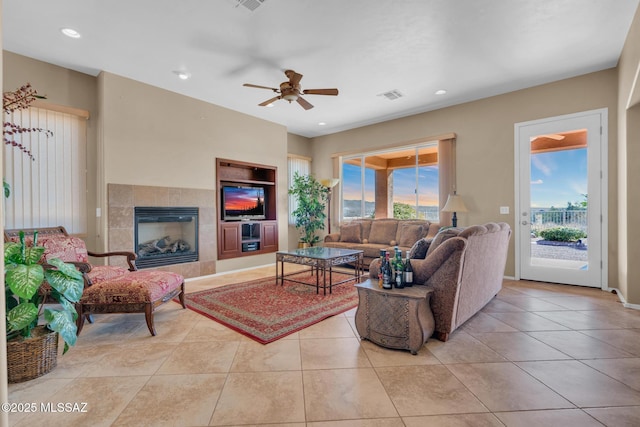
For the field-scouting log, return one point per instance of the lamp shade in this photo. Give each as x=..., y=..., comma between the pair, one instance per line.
x=329, y=182
x=454, y=204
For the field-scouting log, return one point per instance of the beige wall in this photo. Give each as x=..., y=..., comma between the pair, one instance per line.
x=485, y=143
x=628, y=170
x=299, y=145
x=150, y=136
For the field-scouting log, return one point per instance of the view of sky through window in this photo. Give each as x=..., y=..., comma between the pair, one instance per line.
x=403, y=190
x=558, y=177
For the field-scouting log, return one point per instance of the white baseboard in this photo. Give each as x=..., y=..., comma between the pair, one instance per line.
x=623, y=300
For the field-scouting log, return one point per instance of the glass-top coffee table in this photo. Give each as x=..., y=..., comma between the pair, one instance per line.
x=321, y=260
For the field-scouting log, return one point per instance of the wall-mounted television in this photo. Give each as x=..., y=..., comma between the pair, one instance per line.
x=242, y=202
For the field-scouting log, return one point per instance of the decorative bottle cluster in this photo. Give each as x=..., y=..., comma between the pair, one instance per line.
x=395, y=272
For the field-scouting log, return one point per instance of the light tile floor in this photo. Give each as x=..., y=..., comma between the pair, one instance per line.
x=538, y=354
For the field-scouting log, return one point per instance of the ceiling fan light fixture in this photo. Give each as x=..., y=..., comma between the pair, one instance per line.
x=290, y=97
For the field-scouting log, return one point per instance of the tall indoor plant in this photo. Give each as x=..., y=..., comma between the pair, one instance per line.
x=309, y=214
x=28, y=284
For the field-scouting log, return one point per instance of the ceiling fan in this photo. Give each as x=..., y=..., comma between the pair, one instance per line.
x=291, y=91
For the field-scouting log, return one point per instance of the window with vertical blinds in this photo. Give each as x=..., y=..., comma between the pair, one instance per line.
x=302, y=165
x=49, y=190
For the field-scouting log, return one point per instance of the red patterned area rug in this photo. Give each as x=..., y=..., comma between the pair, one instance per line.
x=266, y=312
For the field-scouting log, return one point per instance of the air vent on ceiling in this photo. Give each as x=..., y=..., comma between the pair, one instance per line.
x=392, y=94
x=250, y=4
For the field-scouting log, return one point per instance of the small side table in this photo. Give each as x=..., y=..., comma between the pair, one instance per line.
x=394, y=318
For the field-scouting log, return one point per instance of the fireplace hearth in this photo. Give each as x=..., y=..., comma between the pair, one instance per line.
x=165, y=235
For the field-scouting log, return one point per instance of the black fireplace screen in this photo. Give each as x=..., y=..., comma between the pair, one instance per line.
x=166, y=236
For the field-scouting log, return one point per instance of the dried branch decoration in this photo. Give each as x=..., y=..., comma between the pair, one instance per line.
x=19, y=99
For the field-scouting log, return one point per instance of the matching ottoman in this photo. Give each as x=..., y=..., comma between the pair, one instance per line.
x=133, y=292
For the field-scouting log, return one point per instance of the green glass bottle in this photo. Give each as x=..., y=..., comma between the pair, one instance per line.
x=386, y=273
x=408, y=272
x=382, y=260
x=399, y=269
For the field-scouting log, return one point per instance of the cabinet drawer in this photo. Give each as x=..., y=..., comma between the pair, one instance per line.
x=389, y=341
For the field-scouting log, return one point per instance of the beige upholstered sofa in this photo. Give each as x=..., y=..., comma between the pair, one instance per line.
x=465, y=267
x=371, y=235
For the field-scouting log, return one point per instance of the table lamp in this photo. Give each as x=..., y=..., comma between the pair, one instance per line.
x=454, y=204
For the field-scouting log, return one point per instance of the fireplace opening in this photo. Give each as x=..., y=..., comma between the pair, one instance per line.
x=165, y=235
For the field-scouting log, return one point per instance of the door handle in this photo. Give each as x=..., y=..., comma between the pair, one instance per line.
x=524, y=223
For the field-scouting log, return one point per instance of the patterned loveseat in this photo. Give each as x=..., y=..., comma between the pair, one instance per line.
x=371, y=235
x=108, y=289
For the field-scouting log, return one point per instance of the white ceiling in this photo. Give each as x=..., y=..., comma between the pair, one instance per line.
x=471, y=48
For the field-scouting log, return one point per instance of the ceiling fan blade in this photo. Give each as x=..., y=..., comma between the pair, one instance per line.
x=260, y=87
x=269, y=101
x=320, y=92
x=304, y=103
x=294, y=78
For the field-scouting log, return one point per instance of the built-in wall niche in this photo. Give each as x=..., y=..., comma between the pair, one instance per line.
x=247, y=211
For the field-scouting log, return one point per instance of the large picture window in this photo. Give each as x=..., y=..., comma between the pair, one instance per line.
x=402, y=183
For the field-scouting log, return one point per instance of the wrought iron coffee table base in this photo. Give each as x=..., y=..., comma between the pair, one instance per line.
x=321, y=264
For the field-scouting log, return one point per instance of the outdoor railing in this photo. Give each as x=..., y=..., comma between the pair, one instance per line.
x=543, y=220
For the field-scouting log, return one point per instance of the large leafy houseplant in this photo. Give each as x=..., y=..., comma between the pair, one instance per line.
x=27, y=285
x=309, y=214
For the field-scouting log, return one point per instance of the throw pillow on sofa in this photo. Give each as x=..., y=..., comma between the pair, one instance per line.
x=419, y=248
x=409, y=234
x=443, y=234
x=383, y=232
x=351, y=233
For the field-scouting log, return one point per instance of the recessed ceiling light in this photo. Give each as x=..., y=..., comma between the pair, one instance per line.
x=270, y=105
x=321, y=124
x=182, y=75
x=441, y=92
x=70, y=32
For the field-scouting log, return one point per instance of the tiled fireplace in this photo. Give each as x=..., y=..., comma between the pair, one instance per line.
x=122, y=203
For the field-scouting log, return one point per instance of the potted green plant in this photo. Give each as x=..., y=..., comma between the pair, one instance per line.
x=28, y=283
x=311, y=197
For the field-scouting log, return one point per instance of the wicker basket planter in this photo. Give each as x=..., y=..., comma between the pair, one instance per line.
x=33, y=357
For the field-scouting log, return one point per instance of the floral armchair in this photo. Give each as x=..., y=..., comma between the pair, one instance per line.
x=108, y=289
